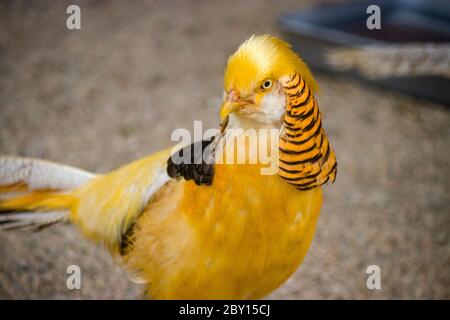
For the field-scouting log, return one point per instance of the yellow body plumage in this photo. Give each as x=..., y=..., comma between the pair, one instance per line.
x=238, y=239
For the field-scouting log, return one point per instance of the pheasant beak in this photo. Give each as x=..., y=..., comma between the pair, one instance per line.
x=229, y=107
x=232, y=103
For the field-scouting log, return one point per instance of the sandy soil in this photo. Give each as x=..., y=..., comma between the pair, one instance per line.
x=114, y=91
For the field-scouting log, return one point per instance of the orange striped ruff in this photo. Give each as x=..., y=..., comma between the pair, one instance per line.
x=306, y=159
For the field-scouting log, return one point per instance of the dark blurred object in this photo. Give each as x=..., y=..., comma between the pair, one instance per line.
x=317, y=31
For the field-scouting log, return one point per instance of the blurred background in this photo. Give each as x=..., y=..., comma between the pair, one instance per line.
x=112, y=92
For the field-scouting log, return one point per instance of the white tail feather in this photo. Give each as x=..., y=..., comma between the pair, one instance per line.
x=23, y=176
x=39, y=174
x=15, y=220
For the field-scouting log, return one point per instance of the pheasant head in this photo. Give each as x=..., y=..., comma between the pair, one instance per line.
x=268, y=83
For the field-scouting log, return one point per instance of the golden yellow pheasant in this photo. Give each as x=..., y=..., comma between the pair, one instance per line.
x=202, y=229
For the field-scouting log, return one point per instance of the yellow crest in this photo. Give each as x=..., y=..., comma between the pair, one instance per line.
x=263, y=57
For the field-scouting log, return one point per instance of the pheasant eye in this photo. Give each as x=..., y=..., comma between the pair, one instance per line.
x=266, y=84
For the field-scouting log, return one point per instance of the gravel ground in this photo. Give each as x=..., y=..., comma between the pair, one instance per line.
x=114, y=91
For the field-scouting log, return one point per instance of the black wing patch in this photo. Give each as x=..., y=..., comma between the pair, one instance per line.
x=193, y=162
